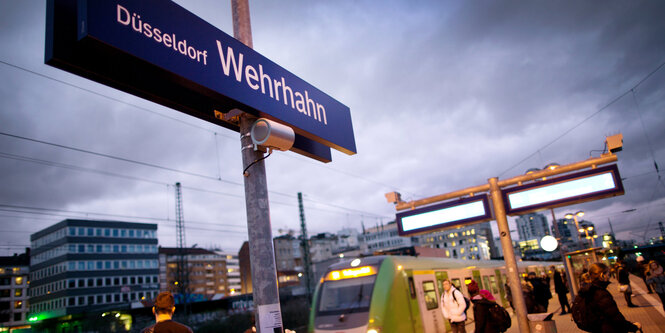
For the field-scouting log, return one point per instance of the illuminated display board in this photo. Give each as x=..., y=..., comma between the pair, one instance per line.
x=570, y=189
x=431, y=218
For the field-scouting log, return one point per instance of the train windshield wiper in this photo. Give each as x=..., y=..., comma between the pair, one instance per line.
x=355, y=305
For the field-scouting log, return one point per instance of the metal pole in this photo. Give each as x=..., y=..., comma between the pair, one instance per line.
x=563, y=249
x=509, y=255
x=579, y=237
x=304, y=245
x=268, y=315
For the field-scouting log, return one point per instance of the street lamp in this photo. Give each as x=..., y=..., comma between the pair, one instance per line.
x=577, y=224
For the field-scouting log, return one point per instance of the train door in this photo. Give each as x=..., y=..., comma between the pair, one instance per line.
x=428, y=302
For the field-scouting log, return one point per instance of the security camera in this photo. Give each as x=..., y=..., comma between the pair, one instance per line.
x=614, y=143
x=394, y=197
x=273, y=135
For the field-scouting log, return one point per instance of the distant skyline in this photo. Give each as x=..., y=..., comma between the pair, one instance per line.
x=443, y=96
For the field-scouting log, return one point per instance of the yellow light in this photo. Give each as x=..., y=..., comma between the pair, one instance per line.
x=335, y=275
x=399, y=267
x=581, y=230
x=372, y=331
x=471, y=267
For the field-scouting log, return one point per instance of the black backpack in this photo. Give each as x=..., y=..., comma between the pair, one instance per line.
x=499, y=317
x=585, y=318
x=466, y=300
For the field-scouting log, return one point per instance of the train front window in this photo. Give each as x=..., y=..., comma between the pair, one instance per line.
x=347, y=295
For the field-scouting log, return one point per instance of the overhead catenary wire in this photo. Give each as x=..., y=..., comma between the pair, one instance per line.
x=193, y=125
x=114, y=174
x=565, y=133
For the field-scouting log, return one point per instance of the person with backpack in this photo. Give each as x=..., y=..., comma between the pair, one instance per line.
x=488, y=315
x=594, y=309
x=624, y=283
x=453, y=306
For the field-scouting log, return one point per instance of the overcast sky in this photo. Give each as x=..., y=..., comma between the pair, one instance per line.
x=443, y=95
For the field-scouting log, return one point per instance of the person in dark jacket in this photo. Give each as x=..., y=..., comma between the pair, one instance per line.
x=482, y=301
x=561, y=289
x=641, y=270
x=163, y=311
x=624, y=283
x=529, y=299
x=601, y=302
x=541, y=291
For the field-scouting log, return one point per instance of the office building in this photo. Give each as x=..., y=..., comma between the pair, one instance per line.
x=532, y=226
x=384, y=237
x=473, y=242
x=86, y=266
x=209, y=273
x=14, y=283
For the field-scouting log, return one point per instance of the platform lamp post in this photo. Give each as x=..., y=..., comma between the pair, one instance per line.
x=577, y=224
x=590, y=237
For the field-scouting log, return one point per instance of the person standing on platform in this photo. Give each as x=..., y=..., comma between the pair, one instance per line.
x=541, y=291
x=641, y=270
x=656, y=279
x=453, y=305
x=482, y=302
x=624, y=283
x=163, y=311
x=561, y=289
x=602, y=304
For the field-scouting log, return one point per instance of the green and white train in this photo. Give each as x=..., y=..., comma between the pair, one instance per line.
x=383, y=294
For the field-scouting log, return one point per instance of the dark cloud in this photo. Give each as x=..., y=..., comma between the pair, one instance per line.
x=443, y=96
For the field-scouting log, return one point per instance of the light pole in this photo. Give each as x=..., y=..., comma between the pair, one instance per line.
x=577, y=224
x=586, y=231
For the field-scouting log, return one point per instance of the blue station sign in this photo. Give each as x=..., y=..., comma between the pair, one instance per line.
x=570, y=189
x=158, y=50
x=448, y=214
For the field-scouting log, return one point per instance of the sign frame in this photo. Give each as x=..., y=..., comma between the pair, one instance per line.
x=484, y=198
x=109, y=50
x=591, y=196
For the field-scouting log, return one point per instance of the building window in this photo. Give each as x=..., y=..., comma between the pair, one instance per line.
x=18, y=280
x=18, y=292
x=18, y=304
x=18, y=316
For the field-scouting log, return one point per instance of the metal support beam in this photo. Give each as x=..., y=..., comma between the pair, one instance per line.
x=591, y=162
x=512, y=272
